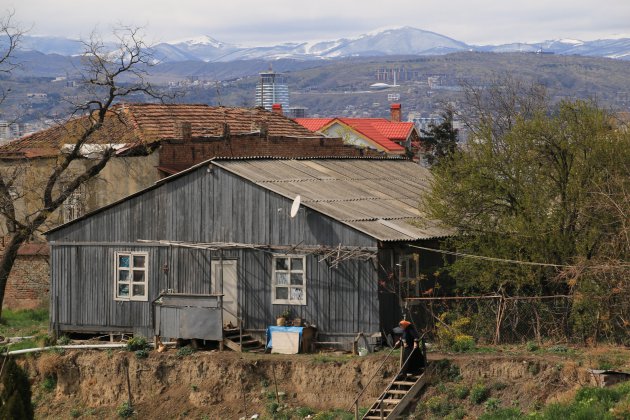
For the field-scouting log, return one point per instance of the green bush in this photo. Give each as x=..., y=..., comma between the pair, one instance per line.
x=142, y=354
x=479, y=393
x=303, y=412
x=532, y=346
x=457, y=414
x=492, y=404
x=185, y=351
x=125, y=410
x=49, y=383
x=15, y=396
x=438, y=405
x=137, y=343
x=463, y=343
x=558, y=349
x=461, y=392
x=64, y=340
x=503, y=414
x=450, y=333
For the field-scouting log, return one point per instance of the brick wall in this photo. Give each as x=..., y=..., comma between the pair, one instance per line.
x=28, y=286
x=178, y=155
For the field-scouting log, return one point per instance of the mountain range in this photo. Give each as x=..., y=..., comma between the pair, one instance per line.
x=400, y=41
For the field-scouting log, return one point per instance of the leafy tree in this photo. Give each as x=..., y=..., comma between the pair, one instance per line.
x=531, y=192
x=15, y=398
x=108, y=77
x=441, y=139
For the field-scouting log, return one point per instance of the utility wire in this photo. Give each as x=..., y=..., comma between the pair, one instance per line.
x=503, y=260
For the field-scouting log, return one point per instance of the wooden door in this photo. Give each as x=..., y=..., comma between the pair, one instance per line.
x=225, y=281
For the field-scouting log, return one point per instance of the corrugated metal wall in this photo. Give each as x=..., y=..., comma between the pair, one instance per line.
x=207, y=206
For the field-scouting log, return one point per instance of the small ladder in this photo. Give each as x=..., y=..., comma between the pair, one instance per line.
x=233, y=340
x=397, y=396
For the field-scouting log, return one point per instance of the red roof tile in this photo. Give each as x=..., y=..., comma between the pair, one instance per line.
x=383, y=132
x=147, y=123
x=313, y=124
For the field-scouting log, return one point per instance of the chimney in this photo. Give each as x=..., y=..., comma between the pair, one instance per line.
x=277, y=109
x=186, y=131
x=395, y=112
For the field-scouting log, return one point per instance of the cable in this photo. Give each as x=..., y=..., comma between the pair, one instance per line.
x=503, y=260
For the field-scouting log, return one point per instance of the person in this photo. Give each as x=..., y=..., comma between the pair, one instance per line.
x=413, y=359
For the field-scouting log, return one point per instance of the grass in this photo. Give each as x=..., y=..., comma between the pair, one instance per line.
x=23, y=323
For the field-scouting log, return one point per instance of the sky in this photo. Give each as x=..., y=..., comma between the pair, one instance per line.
x=249, y=22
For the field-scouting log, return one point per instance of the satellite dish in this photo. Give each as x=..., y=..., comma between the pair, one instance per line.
x=296, y=205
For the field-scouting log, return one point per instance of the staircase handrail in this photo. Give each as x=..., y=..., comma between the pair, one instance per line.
x=372, y=378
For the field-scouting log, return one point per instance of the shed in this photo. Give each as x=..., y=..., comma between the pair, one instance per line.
x=225, y=227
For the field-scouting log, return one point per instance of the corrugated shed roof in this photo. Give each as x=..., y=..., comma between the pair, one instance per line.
x=377, y=197
x=136, y=124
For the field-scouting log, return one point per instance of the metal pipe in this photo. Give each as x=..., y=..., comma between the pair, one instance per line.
x=77, y=347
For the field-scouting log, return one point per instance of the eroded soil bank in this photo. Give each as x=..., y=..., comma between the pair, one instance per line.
x=228, y=385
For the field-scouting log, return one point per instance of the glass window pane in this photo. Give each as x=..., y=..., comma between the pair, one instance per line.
x=123, y=261
x=297, y=278
x=403, y=269
x=296, y=293
x=123, y=290
x=282, y=263
x=297, y=264
x=138, y=275
x=282, y=278
x=138, y=290
x=282, y=292
x=138, y=261
x=123, y=275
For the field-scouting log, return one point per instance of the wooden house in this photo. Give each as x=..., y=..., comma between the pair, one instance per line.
x=152, y=141
x=339, y=261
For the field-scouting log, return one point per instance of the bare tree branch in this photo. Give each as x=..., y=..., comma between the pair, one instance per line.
x=109, y=76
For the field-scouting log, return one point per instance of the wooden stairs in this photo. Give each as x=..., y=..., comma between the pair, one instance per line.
x=232, y=340
x=397, y=396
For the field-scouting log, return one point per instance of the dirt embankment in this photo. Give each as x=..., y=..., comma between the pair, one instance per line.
x=227, y=385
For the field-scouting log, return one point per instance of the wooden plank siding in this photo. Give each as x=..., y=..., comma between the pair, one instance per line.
x=207, y=205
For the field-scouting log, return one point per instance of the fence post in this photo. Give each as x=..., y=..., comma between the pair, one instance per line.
x=500, y=310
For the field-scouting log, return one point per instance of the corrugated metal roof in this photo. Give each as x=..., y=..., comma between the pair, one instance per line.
x=377, y=197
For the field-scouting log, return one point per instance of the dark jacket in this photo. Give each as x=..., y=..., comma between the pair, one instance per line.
x=410, y=335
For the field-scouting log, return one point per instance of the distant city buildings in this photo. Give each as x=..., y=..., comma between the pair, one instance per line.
x=272, y=89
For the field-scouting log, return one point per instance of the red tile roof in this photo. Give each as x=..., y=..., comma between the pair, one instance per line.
x=383, y=132
x=137, y=124
x=313, y=124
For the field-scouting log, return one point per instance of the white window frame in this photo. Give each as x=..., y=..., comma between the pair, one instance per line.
x=408, y=274
x=74, y=207
x=130, y=282
x=290, y=271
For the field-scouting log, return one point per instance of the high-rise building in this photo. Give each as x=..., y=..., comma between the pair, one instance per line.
x=272, y=89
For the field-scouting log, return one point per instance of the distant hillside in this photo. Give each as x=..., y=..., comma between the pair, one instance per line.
x=339, y=86
x=400, y=41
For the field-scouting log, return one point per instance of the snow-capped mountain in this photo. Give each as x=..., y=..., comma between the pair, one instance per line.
x=399, y=41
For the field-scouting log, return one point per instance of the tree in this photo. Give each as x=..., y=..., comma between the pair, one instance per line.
x=10, y=36
x=108, y=77
x=535, y=191
x=15, y=397
x=441, y=139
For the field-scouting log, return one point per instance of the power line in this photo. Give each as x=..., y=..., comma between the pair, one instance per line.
x=503, y=260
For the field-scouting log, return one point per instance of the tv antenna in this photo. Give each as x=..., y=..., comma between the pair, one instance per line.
x=296, y=205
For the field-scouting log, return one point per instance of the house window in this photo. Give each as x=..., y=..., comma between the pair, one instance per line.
x=73, y=206
x=131, y=276
x=289, y=279
x=408, y=274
